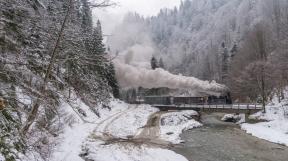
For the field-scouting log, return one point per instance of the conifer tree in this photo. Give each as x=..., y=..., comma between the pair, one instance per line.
x=154, y=63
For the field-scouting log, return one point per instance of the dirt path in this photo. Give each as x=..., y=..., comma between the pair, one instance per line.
x=220, y=141
x=151, y=131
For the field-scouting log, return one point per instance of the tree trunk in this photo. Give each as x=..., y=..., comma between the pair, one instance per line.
x=263, y=93
x=34, y=112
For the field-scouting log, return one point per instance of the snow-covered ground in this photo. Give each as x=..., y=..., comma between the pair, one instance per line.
x=128, y=123
x=118, y=134
x=174, y=123
x=83, y=135
x=73, y=137
x=276, y=128
x=128, y=152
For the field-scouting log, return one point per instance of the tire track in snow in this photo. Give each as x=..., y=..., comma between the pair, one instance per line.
x=103, y=122
x=105, y=129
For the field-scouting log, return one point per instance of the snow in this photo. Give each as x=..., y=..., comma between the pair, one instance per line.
x=239, y=119
x=1, y=157
x=84, y=133
x=22, y=97
x=273, y=131
x=122, y=121
x=74, y=136
x=129, y=152
x=129, y=123
x=174, y=123
x=276, y=129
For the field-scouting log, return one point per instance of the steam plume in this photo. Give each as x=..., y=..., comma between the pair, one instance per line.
x=134, y=77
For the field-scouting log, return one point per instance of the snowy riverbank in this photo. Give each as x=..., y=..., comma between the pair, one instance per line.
x=276, y=128
x=174, y=123
x=128, y=139
x=110, y=136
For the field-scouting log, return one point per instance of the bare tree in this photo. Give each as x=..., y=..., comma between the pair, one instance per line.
x=251, y=75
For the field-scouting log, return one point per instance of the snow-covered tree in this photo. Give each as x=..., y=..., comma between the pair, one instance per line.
x=154, y=63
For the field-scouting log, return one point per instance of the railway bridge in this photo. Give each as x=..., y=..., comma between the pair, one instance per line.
x=222, y=108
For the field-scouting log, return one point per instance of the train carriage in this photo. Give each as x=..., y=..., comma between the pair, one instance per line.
x=158, y=100
x=170, y=100
x=188, y=100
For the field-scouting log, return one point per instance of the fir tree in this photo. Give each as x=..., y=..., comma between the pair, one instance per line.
x=225, y=63
x=154, y=63
x=86, y=13
x=112, y=81
x=94, y=42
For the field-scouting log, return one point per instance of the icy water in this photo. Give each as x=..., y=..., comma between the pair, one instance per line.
x=219, y=141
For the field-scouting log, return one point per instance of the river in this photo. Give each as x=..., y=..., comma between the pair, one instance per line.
x=220, y=141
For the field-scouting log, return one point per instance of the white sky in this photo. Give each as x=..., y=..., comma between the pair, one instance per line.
x=112, y=16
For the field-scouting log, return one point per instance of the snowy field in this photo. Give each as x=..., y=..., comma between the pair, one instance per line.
x=276, y=128
x=174, y=123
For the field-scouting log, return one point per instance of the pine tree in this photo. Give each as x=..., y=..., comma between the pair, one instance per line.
x=225, y=63
x=154, y=63
x=86, y=13
x=234, y=50
x=94, y=42
x=112, y=81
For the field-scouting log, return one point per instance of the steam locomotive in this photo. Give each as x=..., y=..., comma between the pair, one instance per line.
x=171, y=100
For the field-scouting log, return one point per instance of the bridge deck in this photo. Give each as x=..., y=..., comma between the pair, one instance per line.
x=234, y=108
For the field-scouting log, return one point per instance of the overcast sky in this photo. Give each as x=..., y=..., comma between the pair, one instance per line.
x=112, y=16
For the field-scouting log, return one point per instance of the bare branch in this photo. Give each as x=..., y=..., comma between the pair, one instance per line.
x=102, y=4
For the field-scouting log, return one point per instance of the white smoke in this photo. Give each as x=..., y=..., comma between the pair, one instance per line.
x=137, y=55
x=133, y=68
x=134, y=77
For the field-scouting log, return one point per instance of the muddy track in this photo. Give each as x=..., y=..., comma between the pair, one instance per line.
x=151, y=131
x=148, y=135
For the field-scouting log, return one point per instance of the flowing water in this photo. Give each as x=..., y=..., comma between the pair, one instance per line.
x=220, y=141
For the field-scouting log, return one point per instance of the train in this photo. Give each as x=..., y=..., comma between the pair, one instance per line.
x=180, y=100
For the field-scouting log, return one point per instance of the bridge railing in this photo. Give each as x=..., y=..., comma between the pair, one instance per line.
x=239, y=106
